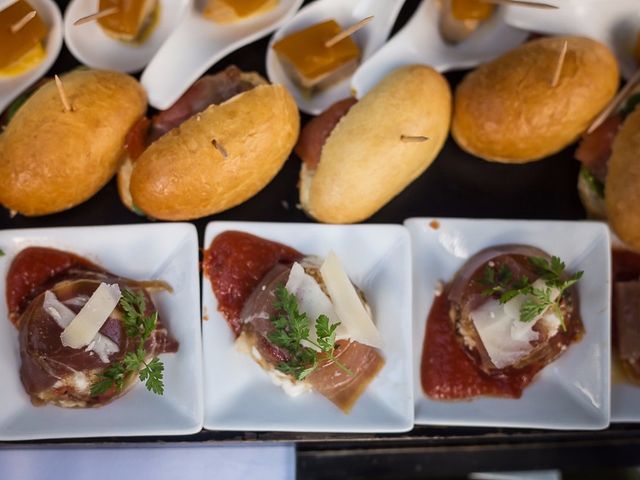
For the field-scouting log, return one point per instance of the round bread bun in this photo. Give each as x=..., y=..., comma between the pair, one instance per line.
x=622, y=186
x=51, y=159
x=215, y=160
x=507, y=111
x=364, y=163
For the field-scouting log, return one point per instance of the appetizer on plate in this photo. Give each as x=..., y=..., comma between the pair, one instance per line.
x=299, y=317
x=534, y=100
x=626, y=312
x=217, y=146
x=86, y=334
x=460, y=18
x=358, y=155
x=65, y=142
x=313, y=61
x=232, y=11
x=508, y=312
x=128, y=20
x=22, y=36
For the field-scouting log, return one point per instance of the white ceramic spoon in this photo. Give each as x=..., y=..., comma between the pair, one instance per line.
x=615, y=23
x=198, y=43
x=346, y=12
x=91, y=46
x=11, y=87
x=420, y=42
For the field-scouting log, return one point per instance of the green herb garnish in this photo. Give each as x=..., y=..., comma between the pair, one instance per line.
x=292, y=334
x=1, y=253
x=500, y=281
x=594, y=184
x=140, y=326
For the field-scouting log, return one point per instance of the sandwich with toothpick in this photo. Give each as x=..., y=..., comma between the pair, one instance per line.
x=358, y=155
x=221, y=143
x=535, y=100
x=609, y=153
x=65, y=142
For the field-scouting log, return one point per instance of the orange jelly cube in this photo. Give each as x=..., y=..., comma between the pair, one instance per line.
x=311, y=62
x=130, y=19
x=228, y=11
x=471, y=9
x=14, y=45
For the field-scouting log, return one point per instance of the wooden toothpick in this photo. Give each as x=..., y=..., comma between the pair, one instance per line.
x=95, y=16
x=559, y=64
x=63, y=95
x=348, y=32
x=618, y=99
x=413, y=138
x=218, y=146
x=523, y=3
x=16, y=27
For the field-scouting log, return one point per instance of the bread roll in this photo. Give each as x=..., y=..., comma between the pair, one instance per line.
x=507, y=111
x=183, y=175
x=364, y=163
x=52, y=160
x=622, y=186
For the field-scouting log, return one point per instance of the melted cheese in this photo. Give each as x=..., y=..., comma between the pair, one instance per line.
x=101, y=345
x=354, y=317
x=505, y=338
x=84, y=327
x=26, y=62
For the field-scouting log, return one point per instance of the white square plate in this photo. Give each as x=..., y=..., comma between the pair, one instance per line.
x=571, y=393
x=157, y=251
x=625, y=397
x=238, y=393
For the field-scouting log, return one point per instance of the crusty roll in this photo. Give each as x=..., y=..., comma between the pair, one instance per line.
x=507, y=111
x=364, y=163
x=52, y=160
x=622, y=186
x=218, y=158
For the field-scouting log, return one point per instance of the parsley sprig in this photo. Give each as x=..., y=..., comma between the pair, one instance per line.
x=140, y=326
x=292, y=333
x=500, y=281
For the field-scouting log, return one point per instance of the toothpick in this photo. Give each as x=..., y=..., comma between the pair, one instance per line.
x=556, y=74
x=348, y=32
x=523, y=3
x=63, y=95
x=618, y=99
x=413, y=138
x=219, y=147
x=96, y=16
x=16, y=27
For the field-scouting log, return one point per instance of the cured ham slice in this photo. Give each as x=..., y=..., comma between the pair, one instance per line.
x=627, y=302
x=46, y=288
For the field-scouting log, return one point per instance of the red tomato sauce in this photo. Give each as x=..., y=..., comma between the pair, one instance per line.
x=32, y=270
x=447, y=373
x=235, y=262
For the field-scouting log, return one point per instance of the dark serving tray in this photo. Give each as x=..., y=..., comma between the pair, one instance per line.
x=456, y=185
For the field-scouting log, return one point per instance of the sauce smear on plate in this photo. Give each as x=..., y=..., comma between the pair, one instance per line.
x=235, y=263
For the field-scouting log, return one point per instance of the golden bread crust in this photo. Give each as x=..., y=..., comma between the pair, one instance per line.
x=622, y=186
x=364, y=163
x=52, y=160
x=182, y=175
x=506, y=110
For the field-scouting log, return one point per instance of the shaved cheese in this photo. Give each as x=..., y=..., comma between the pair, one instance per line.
x=505, y=338
x=84, y=327
x=101, y=345
x=311, y=299
x=353, y=315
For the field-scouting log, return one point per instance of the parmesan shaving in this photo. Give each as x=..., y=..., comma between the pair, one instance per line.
x=354, y=317
x=84, y=327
